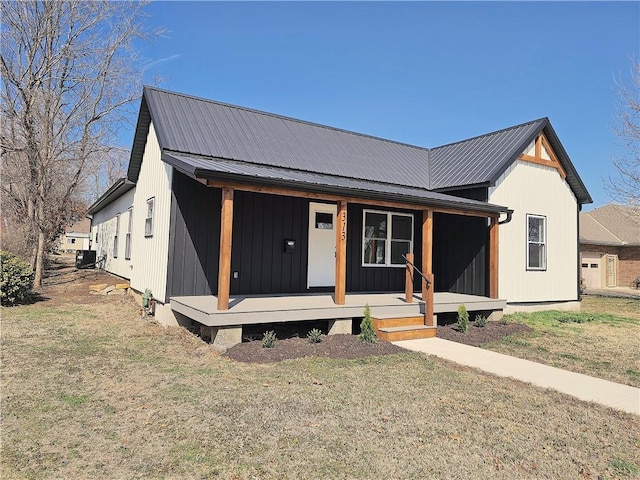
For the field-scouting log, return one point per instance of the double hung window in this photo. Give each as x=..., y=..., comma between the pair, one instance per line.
x=536, y=242
x=386, y=237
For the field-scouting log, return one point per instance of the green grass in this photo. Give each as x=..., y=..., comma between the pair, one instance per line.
x=102, y=394
x=593, y=341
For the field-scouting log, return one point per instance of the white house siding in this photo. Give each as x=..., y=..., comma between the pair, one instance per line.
x=150, y=254
x=529, y=188
x=104, y=224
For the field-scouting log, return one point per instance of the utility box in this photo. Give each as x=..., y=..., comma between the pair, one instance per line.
x=85, y=258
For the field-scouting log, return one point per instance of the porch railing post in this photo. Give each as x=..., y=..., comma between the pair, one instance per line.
x=408, y=283
x=427, y=296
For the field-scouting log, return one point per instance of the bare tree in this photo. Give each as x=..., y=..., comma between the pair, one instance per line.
x=69, y=75
x=624, y=185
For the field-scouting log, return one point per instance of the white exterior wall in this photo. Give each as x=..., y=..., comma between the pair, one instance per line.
x=528, y=188
x=151, y=254
x=104, y=224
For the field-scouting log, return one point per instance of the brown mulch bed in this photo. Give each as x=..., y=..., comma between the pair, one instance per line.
x=478, y=336
x=332, y=346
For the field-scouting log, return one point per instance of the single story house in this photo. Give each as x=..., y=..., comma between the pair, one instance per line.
x=610, y=246
x=75, y=237
x=234, y=216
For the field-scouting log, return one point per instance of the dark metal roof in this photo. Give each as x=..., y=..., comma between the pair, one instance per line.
x=221, y=169
x=119, y=188
x=193, y=125
x=482, y=160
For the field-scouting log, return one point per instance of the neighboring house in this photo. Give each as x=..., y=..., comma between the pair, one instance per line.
x=610, y=246
x=233, y=202
x=76, y=237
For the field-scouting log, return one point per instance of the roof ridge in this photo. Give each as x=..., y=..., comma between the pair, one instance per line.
x=492, y=133
x=284, y=117
x=605, y=228
x=275, y=167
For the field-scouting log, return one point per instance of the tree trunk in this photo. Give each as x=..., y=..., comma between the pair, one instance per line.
x=39, y=270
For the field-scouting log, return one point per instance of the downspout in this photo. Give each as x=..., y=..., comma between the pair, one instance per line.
x=578, y=262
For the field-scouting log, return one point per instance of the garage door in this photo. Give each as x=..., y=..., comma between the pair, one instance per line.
x=591, y=270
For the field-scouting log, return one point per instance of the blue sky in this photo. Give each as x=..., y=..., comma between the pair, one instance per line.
x=424, y=73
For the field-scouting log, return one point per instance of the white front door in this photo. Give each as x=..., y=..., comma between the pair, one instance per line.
x=322, y=245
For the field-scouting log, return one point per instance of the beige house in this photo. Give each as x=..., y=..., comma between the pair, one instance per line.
x=610, y=246
x=76, y=237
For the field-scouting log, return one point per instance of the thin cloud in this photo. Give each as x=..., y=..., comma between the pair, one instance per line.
x=160, y=60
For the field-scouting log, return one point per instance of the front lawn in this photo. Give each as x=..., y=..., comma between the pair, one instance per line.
x=93, y=391
x=602, y=340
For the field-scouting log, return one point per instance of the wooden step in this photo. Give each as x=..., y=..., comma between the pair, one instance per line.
x=408, y=332
x=379, y=323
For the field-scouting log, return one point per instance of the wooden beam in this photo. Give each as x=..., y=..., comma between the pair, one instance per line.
x=493, y=258
x=538, y=149
x=427, y=265
x=224, y=265
x=553, y=156
x=336, y=198
x=341, y=253
x=408, y=280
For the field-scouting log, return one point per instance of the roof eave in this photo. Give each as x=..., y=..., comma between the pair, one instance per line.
x=119, y=188
x=455, y=203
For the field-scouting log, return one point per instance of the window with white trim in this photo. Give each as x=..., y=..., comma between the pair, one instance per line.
x=127, y=239
x=148, y=220
x=536, y=242
x=386, y=237
x=115, y=237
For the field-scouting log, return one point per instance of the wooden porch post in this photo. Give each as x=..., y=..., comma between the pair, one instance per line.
x=493, y=258
x=408, y=281
x=427, y=265
x=341, y=252
x=224, y=265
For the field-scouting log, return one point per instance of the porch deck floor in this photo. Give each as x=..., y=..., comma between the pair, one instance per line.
x=252, y=309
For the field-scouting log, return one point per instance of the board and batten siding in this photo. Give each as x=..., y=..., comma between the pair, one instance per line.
x=103, y=234
x=533, y=189
x=150, y=254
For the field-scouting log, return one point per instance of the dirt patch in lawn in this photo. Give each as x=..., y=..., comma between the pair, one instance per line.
x=64, y=283
x=479, y=336
x=332, y=346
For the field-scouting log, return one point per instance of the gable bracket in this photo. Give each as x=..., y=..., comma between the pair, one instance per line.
x=541, y=141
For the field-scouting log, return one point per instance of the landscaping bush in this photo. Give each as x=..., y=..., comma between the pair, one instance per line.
x=367, y=333
x=17, y=279
x=463, y=319
x=269, y=339
x=314, y=336
x=481, y=321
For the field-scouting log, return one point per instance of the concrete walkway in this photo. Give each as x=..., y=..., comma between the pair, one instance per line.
x=584, y=387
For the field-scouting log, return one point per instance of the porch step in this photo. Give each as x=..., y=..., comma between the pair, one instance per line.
x=381, y=322
x=408, y=332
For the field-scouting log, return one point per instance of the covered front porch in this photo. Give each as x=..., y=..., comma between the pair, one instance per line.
x=393, y=316
x=252, y=309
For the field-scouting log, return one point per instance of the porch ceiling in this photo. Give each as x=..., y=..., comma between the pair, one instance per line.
x=244, y=309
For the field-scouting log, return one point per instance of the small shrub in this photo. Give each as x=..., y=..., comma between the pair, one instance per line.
x=314, y=336
x=481, y=321
x=504, y=321
x=16, y=279
x=367, y=333
x=269, y=339
x=463, y=319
